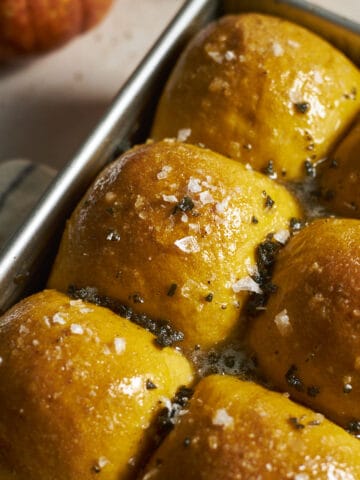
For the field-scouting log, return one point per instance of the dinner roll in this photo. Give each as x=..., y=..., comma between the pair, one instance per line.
x=307, y=342
x=239, y=430
x=340, y=177
x=79, y=390
x=263, y=91
x=170, y=230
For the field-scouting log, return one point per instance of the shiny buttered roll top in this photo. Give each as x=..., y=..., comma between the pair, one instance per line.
x=263, y=91
x=170, y=230
x=80, y=388
x=240, y=430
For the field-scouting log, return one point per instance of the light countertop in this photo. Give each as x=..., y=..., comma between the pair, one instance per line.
x=50, y=104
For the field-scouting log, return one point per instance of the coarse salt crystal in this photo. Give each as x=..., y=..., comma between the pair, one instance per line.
x=277, y=49
x=120, y=345
x=246, y=284
x=102, y=462
x=1, y=360
x=230, y=55
x=86, y=310
x=216, y=56
x=301, y=476
x=59, y=318
x=164, y=172
x=106, y=350
x=24, y=329
x=222, y=418
x=139, y=202
x=206, y=197
x=184, y=218
x=76, y=329
x=166, y=402
x=113, y=236
x=282, y=322
x=223, y=205
x=293, y=44
x=183, y=134
x=76, y=303
x=318, y=77
x=282, y=236
x=195, y=227
x=194, y=185
x=170, y=198
x=251, y=268
x=188, y=244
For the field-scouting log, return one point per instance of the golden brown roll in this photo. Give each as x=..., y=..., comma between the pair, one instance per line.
x=236, y=429
x=307, y=342
x=340, y=177
x=263, y=91
x=79, y=389
x=170, y=230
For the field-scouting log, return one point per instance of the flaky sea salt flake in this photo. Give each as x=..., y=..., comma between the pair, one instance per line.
x=194, y=185
x=183, y=134
x=164, y=172
x=246, y=284
x=282, y=322
x=170, y=198
x=277, y=49
x=221, y=418
x=282, y=236
x=120, y=345
x=188, y=244
x=76, y=329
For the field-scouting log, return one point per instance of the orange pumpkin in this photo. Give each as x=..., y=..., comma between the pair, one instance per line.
x=32, y=26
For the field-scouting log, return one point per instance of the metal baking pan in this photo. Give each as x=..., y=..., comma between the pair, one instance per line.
x=26, y=258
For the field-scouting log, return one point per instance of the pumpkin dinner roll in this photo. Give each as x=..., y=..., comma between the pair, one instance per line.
x=340, y=177
x=239, y=430
x=307, y=342
x=170, y=230
x=79, y=390
x=263, y=91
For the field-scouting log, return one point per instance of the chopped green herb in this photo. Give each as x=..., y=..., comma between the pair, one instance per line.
x=302, y=107
x=150, y=385
x=172, y=290
x=296, y=224
x=209, y=297
x=269, y=202
x=310, y=169
x=185, y=205
x=293, y=379
x=295, y=422
x=137, y=298
x=313, y=391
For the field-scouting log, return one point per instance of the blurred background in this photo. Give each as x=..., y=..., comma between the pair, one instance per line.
x=49, y=104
